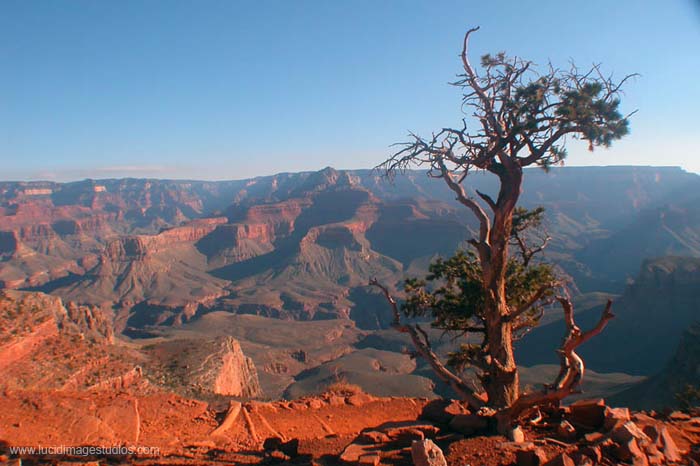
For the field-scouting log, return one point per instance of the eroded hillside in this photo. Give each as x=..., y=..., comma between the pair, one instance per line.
x=185, y=259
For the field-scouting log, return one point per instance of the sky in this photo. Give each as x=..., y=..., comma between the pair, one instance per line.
x=240, y=88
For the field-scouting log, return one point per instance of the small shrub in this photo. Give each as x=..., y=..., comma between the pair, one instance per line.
x=343, y=388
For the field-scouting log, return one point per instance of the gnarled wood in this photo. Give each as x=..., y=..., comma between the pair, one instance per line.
x=422, y=345
x=572, y=367
x=522, y=118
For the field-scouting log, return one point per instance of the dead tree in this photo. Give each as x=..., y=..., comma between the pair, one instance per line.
x=521, y=118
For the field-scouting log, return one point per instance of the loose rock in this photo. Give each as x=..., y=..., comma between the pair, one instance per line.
x=614, y=416
x=530, y=457
x=561, y=460
x=426, y=453
x=371, y=459
x=354, y=451
x=588, y=414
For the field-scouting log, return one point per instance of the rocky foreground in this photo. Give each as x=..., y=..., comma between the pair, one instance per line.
x=67, y=381
x=341, y=426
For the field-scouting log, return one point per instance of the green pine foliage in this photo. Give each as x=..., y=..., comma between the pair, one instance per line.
x=452, y=294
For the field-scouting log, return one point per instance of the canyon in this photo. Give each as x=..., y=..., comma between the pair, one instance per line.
x=129, y=297
x=163, y=259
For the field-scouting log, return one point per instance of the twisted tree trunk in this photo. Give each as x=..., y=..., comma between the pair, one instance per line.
x=502, y=385
x=513, y=115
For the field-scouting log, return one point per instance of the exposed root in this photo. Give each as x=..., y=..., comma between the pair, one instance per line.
x=234, y=410
x=324, y=426
x=249, y=424
x=138, y=421
x=271, y=429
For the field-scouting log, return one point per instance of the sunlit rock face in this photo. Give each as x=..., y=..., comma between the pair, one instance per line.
x=235, y=373
x=204, y=366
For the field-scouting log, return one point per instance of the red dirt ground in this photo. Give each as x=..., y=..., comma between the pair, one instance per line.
x=182, y=429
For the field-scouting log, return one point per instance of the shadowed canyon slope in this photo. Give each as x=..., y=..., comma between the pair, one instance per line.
x=651, y=317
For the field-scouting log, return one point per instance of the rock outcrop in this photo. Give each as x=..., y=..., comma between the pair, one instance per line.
x=230, y=372
x=204, y=367
x=23, y=313
x=136, y=247
x=46, y=343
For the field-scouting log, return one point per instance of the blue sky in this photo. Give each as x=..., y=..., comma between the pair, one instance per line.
x=234, y=89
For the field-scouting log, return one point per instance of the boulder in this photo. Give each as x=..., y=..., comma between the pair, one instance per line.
x=679, y=416
x=614, y=416
x=561, y=460
x=629, y=431
x=442, y=411
x=516, y=435
x=353, y=452
x=593, y=452
x=468, y=424
x=587, y=414
x=406, y=437
x=278, y=456
x=643, y=418
x=315, y=403
x=654, y=456
x=426, y=453
x=336, y=400
x=359, y=399
x=593, y=437
x=534, y=456
x=372, y=437
x=397, y=430
x=668, y=446
x=630, y=452
x=371, y=459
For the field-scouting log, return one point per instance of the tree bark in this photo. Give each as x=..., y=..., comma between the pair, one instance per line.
x=571, y=372
x=503, y=384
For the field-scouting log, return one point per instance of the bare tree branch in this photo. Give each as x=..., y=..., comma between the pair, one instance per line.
x=491, y=203
x=447, y=376
x=474, y=84
x=484, y=221
x=522, y=117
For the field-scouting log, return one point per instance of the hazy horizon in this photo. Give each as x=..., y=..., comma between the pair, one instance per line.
x=101, y=178
x=226, y=90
